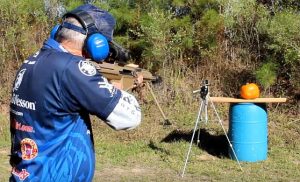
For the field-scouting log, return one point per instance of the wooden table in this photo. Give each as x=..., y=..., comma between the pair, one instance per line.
x=257, y=100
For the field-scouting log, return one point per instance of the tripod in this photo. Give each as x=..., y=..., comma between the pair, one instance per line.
x=204, y=95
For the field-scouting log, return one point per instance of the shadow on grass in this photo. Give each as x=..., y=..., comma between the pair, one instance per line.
x=216, y=145
x=153, y=146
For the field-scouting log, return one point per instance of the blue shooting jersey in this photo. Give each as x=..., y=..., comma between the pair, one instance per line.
x=53, y=94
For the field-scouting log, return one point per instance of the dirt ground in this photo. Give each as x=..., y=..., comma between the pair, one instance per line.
x=111, y=173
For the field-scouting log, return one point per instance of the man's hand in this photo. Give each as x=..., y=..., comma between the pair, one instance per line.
x=139, y=79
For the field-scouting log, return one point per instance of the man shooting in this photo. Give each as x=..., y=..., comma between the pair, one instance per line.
x=54, y=92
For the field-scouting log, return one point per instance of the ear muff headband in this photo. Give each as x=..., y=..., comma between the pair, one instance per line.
x=73, y=27
x=85, y=20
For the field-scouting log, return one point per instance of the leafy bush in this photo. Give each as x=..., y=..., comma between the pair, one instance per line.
x=241, y=19
x=267, y=74
x=208, y=28
x=283, y=30
x=23, y=28
x=283, y=44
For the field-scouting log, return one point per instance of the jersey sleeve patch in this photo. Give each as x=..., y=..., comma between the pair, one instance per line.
x=126, y=114
x=87, y=68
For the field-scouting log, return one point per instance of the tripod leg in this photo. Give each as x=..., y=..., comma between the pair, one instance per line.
x=205, y=107
x=191, y=143
x=213, y=106
x=198, y=137
x=202, y=109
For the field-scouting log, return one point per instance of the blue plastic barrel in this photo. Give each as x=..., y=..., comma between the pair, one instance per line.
x=248, y=131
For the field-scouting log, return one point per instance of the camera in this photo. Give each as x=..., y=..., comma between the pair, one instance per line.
x=117, y=53
x=204, y=89
x=205, y=83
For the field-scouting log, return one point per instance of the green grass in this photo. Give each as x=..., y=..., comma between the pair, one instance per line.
x=4, y=146
x=4, y=130
x=153, y=152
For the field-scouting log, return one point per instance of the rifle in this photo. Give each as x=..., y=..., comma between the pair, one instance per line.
x=127, y=76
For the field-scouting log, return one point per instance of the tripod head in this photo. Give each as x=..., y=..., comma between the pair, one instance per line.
x=203, y=90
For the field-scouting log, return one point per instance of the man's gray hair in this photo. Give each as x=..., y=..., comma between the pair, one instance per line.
x=66, y=34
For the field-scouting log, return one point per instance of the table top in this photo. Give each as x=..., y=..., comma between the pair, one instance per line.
x=257, y=100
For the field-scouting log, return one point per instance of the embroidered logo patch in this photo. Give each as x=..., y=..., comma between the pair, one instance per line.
x=105, y=84
x=29, y=149
x=22, y=127
x=87, y=68
x=19, y=79
x=23, y=174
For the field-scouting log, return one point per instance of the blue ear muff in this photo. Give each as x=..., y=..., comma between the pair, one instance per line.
x=54, y=31
x=97, y=47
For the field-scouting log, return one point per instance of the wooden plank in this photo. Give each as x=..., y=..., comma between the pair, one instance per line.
x=257, y=100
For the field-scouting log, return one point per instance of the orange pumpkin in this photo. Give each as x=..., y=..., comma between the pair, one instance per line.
x=249, y=91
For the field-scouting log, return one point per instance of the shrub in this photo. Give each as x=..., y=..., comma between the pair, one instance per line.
x=23, y=28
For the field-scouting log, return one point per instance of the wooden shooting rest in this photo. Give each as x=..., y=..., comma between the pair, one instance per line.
x=257, y=100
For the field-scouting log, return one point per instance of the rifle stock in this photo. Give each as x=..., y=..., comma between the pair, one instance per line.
x=124, y=74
